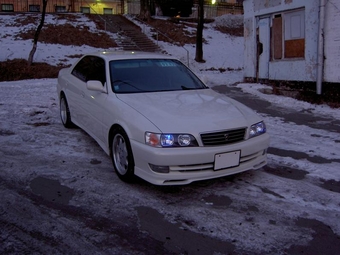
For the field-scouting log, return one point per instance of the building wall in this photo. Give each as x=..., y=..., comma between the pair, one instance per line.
x=249, y=45
x=332, y=41
x=120, y=6
x=68, y=5
x=299, y=69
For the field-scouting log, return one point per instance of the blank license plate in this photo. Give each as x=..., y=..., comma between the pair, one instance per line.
x=226, y=160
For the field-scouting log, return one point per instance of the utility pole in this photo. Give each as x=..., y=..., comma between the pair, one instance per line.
x=199, y=33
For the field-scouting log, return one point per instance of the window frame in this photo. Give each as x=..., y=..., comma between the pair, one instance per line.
x=107, y=11
x=10, y=8
x=60, y=9
x=285, y=43
x=82, y=8
x=34, y=8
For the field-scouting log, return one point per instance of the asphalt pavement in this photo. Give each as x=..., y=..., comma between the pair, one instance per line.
x=60, y=195
x=288, y=114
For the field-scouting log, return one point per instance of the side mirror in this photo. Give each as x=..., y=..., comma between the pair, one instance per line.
x=95, y=86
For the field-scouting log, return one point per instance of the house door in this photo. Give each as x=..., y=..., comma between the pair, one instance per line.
x=263, y=48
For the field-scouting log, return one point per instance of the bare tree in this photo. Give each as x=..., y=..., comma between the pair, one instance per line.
x=199, y=33
x=37, y=33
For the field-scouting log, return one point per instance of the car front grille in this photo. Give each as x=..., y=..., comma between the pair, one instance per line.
x=223, y=137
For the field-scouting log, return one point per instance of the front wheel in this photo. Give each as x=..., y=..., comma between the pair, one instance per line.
x=65, y=114
x=121, y=155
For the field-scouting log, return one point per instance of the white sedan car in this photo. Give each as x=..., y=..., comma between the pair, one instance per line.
x=157, y=120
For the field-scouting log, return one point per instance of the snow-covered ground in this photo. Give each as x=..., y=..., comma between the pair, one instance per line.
x=221, y=51
x=31, y=102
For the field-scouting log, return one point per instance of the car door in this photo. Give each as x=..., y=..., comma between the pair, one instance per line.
x=77, y=90
x=94, y=101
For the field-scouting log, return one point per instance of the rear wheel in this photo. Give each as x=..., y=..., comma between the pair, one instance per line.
x=65, y=114
x=121, y=155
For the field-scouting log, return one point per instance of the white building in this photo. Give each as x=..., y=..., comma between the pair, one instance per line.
x=292, y=40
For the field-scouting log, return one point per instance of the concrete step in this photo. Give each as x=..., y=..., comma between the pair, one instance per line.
x=131, y=35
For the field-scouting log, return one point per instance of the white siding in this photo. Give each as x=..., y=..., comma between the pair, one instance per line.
x=249, y=48
x=332, y=42
x=287, y=69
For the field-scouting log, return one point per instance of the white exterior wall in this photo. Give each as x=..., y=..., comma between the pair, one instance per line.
x=332, y=41
x=287, y=69
x=249, y=46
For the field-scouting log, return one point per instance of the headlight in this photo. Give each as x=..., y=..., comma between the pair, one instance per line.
x=257, y=129
x=170, y=140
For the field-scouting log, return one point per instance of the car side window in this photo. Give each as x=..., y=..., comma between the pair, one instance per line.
x=90, y=68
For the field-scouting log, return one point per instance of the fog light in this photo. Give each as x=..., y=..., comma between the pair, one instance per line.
x=160, y=169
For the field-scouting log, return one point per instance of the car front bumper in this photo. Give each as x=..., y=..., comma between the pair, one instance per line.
x=197, y=163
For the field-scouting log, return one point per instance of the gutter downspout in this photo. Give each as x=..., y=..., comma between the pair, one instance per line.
x=320, y=47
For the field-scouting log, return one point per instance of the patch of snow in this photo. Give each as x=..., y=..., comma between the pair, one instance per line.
x=229, y=20
x=34, y=101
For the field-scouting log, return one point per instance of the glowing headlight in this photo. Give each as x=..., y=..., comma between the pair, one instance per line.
x=257, y=129
x=167, y=140
x=170, y=140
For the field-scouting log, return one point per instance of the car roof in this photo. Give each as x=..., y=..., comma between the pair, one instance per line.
x=120, y=55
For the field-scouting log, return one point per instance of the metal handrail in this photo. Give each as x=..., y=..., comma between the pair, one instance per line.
x=105, y=23
x=171, y=40
x=146, y=24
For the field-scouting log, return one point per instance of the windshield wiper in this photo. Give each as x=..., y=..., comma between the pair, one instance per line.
x=186, y=88
x=127, y=83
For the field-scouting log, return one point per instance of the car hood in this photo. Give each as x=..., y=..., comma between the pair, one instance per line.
x=191, y=111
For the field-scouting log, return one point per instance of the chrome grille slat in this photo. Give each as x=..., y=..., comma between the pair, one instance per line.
x=223, y=137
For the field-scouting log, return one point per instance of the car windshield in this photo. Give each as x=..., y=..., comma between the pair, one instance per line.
x=151, y=75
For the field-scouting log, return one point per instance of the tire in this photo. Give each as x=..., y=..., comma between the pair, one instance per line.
x=65, y=114
x=121, y=155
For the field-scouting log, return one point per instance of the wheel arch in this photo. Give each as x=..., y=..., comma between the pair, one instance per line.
x=62, y=94
x=110, y=135
x=125, y=128
x=123, y=132
x=112, y=131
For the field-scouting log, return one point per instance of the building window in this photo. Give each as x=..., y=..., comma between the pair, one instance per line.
x=288, y=35
x=34, y=8
x=59, y=8
x=7, y=8
x=107, y=10
x=85, y=9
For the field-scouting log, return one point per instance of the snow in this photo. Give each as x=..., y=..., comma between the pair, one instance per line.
x=35, y=101
x=229, y=20
x=288, y=102
x=54, y=54
x=221, y=51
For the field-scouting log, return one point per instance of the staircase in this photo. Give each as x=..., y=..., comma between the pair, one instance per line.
x=131, y=38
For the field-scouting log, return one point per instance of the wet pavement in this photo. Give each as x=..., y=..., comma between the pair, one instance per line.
x=59, y=195
x=289, y=115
